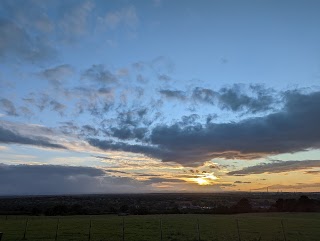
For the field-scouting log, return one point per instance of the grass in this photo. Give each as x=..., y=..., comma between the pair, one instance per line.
x=252, y=227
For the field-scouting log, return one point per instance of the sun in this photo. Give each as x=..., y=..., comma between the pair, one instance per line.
x=201, y=181
x=205, y=179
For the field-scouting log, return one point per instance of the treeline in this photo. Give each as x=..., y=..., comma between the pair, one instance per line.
x=142, y=206
x=303, y=204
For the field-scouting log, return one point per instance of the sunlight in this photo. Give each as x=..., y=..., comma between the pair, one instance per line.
x=205, y=179
x=201, y=181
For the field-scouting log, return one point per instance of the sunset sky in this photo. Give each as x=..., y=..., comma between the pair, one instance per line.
x=159, y=96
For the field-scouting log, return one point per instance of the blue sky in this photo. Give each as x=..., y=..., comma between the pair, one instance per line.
x=160, y=95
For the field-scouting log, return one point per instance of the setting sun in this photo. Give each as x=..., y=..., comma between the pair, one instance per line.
x=201, y=181
x=205, y=179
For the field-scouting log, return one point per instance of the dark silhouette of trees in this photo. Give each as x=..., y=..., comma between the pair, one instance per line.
x=303, y=204
x=243, y=206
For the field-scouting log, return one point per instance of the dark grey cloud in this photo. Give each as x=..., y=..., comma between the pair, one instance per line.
x=126, y=133
x=114, y=171
x=99, y=74
x=294, y=128
x=210, y=118
x=17, y=44
x=122, y=146
x=153, y=180
x=232, y=98
x=88, y=130
x=54, y=179
x=173, y=94
x=8, y=136
x=131, y=118
x=277, y=167
x=8, y=107
x=204, y=95
x=190, y=119
x=102, y=157
x=68, y=127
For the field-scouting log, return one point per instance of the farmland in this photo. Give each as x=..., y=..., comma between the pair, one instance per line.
x=173, y=227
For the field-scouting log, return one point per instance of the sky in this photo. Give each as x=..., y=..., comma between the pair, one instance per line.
x=159, y=96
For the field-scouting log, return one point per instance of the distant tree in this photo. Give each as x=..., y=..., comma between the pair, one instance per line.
x=124, y=208
x=142, y=210
x=221, y=209
x=77, y=209
x=35, y=211
x=243, y=206
x=279, y=205
x=305, y=204
x=60, y=209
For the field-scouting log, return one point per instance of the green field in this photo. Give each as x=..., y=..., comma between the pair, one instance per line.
x=266, y=227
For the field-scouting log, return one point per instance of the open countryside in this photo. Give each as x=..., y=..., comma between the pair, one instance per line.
x=172, y=227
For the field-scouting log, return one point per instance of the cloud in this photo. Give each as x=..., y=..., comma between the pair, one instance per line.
x=9, y=136
x=126, y=16
x=312, y=172
x=58, y=74
x=173, y=94
x=277, y=167
x=17, y=44
x=88, y=130
x=57, y=106
x=251, y=138
x=153, y=180
x=189, y=120
x=26, y=111
x=131, y=118
x=288, y=187
x=75, y=19
x=97, y=101
x=204, y=95
x=3, y=148
x=126, y=133
x=8, y=107
x=99, y=74
x=35, y=18
x=57, y=179
x=233, y=99
x=241, y=182
x=255, y=99
x=122, y=146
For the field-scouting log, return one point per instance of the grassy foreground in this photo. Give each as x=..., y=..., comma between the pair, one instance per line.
x=266, y=227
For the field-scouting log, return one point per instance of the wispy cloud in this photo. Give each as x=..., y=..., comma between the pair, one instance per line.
x=17, y=44
x=126, y=16
x=277, y=167
x=8, y=136
x=8, y=107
